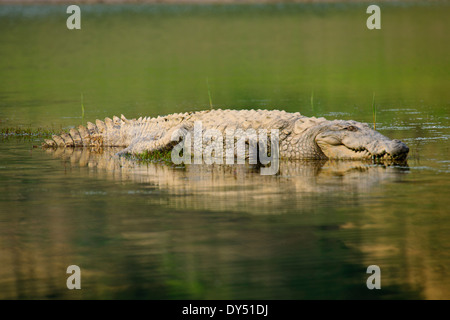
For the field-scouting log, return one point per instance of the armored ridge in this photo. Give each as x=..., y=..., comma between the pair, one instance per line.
x=300, y=137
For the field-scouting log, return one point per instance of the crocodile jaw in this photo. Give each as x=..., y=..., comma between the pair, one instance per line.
x=354, y=140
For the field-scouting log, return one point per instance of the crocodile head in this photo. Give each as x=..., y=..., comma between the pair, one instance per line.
x=341, y=139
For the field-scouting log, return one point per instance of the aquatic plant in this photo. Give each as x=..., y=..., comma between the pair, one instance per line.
x=209, y=94
x=26, y=132
x=374, y=112
x=160, y=156
x=82, y=108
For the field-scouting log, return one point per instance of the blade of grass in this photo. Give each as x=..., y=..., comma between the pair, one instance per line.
x=374, y=112
x=82, y=109
x=209, y=94
x=312, y=100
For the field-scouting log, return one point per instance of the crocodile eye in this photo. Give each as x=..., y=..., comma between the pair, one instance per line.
x=350, y=128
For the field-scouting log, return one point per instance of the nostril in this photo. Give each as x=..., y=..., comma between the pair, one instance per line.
x=398, y=147
x=405, y=148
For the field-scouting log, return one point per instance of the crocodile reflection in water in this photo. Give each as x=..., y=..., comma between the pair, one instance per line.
x=238, y=187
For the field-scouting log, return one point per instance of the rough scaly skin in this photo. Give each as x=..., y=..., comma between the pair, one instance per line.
x=300, y=137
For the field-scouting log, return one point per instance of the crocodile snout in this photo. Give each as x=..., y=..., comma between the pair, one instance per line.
x=397, y=149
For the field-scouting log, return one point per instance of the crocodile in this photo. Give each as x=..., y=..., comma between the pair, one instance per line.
x=300, y=137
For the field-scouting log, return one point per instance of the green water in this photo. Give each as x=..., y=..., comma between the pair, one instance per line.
x=155, y=232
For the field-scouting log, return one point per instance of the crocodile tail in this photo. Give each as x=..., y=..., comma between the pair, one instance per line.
x=107, y=133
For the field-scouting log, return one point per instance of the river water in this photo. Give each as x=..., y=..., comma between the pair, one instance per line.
x=153, y=231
